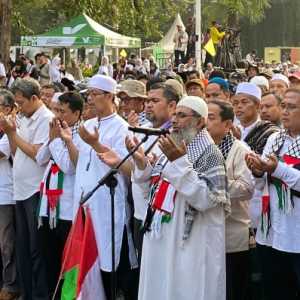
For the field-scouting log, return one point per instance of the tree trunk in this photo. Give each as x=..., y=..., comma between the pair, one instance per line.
x=233, y=22
x=5, y=29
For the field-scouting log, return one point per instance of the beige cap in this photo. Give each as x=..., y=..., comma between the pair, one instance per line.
x=133, y=88
x=176, y=85
x=195, y=82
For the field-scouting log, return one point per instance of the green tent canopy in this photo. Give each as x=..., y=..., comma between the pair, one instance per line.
x=82, y=31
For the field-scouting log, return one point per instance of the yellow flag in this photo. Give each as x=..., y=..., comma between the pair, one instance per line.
x=123, y=53
x=210, y=48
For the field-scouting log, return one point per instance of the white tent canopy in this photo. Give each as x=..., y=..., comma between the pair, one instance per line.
x=167, y=43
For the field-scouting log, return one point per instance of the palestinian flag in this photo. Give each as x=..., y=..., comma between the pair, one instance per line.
x=81, y=265
x=285, y=200
x=265, y=214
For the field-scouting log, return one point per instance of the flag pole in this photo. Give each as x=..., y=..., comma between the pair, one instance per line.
x=199, y=35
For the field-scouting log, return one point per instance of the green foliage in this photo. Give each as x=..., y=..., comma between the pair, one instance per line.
x=254, y=10
x=147, y=19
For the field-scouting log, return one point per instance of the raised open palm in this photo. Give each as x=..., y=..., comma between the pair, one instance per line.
x=88, y=137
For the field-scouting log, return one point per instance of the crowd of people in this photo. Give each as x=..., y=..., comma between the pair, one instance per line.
x=201, y=212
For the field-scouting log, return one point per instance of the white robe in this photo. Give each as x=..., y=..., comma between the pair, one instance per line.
x=112, y=132
x=195, y=269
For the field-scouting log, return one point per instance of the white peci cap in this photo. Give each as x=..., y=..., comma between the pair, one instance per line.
x=260, y=81
x=103, y=83
x=249, y=88
x=282, y=78
x=196, y=104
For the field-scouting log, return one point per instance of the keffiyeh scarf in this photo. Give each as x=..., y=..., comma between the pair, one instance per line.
x=208, y=162
x=284, y=193
x=51, y=188
x=258, y=136
x=226, y=144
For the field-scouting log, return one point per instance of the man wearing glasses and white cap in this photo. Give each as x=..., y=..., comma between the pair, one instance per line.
x=107, y=131
x=185, y=222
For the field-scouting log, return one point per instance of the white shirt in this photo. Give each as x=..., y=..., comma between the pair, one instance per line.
x=106, y=70
x=6, y=182
x=89, y=170
x=2, y=74
x=26, y=172
x=2, y=70
x=284, y=234
x=59, y=152
x=181, y=40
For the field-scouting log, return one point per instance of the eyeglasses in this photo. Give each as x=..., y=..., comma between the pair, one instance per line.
x=289, y=107
x=4, y=105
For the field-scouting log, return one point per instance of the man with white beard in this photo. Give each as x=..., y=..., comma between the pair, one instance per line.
x=184, y=240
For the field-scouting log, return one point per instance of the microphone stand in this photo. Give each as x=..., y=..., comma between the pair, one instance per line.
x=110, y=181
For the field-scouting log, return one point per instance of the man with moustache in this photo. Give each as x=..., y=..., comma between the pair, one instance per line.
x=97, y=136
x=277, y=176
x=246, y=104
x=254, y=132
x=270, y=109
x=217, y=88
x=160, y=105
x=240, y=187
x=185, y=221
x=279, y=83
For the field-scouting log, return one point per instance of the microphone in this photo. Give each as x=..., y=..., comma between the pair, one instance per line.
x=149, y=131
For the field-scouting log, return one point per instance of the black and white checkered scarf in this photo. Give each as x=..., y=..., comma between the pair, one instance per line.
x=226, y=144
x=258, y=136
x=293, y=149
x=207, y=160
x=75, y=128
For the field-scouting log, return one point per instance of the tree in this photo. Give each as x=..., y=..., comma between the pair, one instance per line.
x=147, y=19
x=5, y=29
x=231, y=12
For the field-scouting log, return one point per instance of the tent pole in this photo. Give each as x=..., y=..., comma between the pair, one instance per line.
x=199, y=35
x=64, y=57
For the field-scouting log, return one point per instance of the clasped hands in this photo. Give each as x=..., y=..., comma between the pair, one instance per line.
x=8, y=124
x=259, y=166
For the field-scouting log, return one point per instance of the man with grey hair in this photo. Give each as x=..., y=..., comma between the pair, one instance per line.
x=7, y=205
x=186, y=211
x=32, y=132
